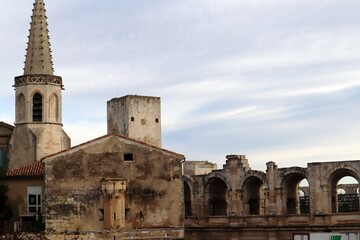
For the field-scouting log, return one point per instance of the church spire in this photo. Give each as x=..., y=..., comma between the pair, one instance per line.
x=38, y=54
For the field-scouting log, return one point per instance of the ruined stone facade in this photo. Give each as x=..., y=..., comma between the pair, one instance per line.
x=138, y=117
x=198, y=167
x=239, y=203
x=115, y=188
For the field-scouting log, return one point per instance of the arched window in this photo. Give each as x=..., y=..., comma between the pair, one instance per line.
x=215, y=191
x=304, y=196
x=344, y=192
x=20, y=111
x=187, y=199
x=37, y=108
x=254, y=196
x=54, y=108
x=293, y=201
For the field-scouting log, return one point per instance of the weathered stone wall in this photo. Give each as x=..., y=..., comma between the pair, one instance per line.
x=31, y=142
x=198, y=167
x=5, y=133
x=153, y=197
x=239, y=203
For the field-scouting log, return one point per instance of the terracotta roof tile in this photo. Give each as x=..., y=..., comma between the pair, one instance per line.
x=33, y=170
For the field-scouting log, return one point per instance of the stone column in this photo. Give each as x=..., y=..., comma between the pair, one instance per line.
x=271, y=200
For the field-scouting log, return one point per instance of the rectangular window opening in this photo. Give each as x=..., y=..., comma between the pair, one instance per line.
x=128, y=157
x=34, y=199
x=132, y=119
x=127, y=210
x=101, y=210
x=156, y=120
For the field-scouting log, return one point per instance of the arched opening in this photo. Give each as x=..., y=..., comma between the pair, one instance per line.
x=187, y=199
x=345, y=197
x=20, y=108
x=293, y=202
x=54, y=108
x=37, y=107
x=304, y=196
x=254, y=196
x=215, y=190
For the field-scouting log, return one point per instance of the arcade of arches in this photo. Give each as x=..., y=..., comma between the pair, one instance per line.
x=237, y=202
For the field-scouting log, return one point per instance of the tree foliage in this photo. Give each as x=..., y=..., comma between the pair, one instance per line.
x=5, y=210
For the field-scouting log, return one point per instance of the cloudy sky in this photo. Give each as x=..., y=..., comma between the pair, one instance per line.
x=275, y=80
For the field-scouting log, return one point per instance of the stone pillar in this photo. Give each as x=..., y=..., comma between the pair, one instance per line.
x=113, y=190
x=270, y=196
x=316, y=194
x=241, y=202
x=279, y=202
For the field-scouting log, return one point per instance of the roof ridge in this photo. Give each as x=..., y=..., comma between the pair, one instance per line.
x=109, y=135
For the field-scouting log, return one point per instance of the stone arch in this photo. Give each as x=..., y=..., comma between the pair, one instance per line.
x=187, y=199
x=253, y=193
x=216, y=196
x=54, y=108
x=20, y=108
x=290, y=191
x=218, y=175
x=188, y=187
x=344, y=202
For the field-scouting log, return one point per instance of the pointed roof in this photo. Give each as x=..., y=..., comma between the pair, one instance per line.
x=38, y=55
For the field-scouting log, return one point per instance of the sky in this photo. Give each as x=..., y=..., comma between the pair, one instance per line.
x=275, y=80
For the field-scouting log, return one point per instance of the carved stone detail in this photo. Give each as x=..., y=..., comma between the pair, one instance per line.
x=38, y=78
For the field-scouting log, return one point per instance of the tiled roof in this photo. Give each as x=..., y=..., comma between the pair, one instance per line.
x=33, y=170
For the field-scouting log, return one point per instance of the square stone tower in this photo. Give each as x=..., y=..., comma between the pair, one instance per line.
x=137, y=117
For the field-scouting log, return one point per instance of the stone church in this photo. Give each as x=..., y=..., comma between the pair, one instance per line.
x=124, y=185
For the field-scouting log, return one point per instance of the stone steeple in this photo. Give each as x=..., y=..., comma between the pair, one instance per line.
x=38, y=102
x=38, y=55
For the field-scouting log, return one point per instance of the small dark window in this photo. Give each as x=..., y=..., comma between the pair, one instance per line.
x=37, y=108
x=132, y=119
x=156, y=120
x=114, y=216
x=127, y=210
x=128, y=157
x=101, y=210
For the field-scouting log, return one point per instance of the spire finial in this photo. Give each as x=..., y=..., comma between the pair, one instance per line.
x=38, y=55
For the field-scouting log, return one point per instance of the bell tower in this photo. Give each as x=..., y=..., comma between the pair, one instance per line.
x=38, y=122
